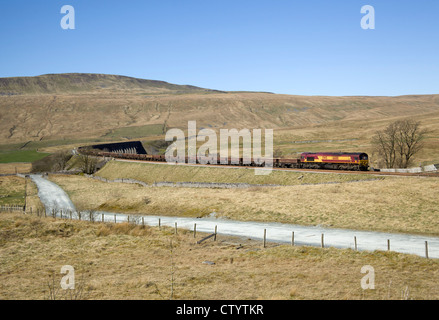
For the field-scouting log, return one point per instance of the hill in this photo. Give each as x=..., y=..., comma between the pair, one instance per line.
x=37, y=112
x=86, y=82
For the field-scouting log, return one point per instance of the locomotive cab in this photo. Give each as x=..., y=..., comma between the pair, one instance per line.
x=364, y=161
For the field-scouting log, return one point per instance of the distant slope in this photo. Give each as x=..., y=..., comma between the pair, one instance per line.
x=85, y=82
x=93, y=107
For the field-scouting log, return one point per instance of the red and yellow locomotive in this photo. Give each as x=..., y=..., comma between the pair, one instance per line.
x=336, y=161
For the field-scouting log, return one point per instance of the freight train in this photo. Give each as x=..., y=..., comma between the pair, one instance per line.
x=329, y=160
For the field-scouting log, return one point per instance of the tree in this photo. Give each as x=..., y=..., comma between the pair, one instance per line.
x=399, y=142
x=384, y=143
x=87, y=163
x=61, y=158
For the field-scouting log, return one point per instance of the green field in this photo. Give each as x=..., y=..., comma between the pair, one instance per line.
x=21, y=156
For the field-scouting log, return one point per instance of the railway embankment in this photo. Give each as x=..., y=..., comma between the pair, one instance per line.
x=204, y=176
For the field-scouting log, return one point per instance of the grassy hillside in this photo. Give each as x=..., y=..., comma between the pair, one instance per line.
x=74, y=109
x=86, y=82
x=151, y=173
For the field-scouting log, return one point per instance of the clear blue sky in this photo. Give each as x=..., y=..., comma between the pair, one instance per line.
x=306, y=47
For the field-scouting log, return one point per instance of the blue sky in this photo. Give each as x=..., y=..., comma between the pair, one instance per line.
x=313, y=47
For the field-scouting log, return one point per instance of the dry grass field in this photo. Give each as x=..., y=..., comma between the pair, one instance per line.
x=407, y=205
x=124, y=261
x=11, y=168
x=12, y=190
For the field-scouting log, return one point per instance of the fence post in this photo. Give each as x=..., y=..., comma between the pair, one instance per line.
x=355, y=243
x=195, y=230
x=426, y=249
x=323, y=244
x=143, y=222
x=175, y=227
x=265, y=236
x=388, y=244
x=114, y=218
x=160, y=228
x=292, y=238
x=214, y=238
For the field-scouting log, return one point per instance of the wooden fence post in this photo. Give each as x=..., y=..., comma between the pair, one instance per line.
x=214, y=238
x=388, y=244
x=323, y=244
x=195, y=230
x=426, y=249
x=355, y=243
x=176, y=228
x=265, y=236
x=292, y=238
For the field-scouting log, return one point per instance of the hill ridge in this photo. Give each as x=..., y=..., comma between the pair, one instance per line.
x=57, y=83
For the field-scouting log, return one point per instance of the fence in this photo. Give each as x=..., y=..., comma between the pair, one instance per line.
x=140, y=220
x=12, y=208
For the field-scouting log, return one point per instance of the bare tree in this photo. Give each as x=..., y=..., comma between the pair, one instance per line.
x=409, y=141
x=87, y=163
x=60, y=160
x=399, y=142
x=384, y=143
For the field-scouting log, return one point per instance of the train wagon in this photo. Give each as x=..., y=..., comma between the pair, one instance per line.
x=321, y=160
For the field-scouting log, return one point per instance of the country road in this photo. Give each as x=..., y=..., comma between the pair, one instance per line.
x=53, y=197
